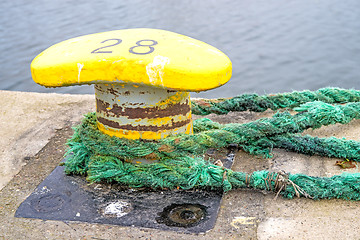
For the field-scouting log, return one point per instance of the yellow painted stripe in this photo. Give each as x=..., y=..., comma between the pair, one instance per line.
x=143, y=134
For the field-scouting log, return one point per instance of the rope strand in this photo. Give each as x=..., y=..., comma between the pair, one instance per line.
x=256, y=103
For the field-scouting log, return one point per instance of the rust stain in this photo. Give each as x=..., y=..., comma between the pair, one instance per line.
x=109, y=90
x=134, y=113
x=152, y=156
x=101, y=106
x=151, y=128
x=165, y=148
x=114, y=92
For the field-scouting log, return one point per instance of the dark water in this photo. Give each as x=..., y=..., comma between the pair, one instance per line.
x=275, y=45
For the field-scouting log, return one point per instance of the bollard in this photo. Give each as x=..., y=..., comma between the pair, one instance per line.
x=142, y=78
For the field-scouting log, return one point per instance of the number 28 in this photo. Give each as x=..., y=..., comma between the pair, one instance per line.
x=133, y=50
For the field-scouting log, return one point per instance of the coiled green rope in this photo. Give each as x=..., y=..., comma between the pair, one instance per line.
x=105, y=158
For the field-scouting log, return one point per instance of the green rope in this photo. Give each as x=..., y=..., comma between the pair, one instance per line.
x=256, y=103
x=190, y=173
x=327, y=147
x=105, y=158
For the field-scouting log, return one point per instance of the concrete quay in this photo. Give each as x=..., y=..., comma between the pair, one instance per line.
x=35, y=126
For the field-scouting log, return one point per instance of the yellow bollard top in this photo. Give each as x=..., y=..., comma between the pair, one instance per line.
x=138, y=56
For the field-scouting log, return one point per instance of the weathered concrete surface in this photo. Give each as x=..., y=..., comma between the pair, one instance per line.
x=244, y=214
x=29, y=120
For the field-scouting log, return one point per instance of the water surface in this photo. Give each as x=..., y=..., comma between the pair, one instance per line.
x=275, y=46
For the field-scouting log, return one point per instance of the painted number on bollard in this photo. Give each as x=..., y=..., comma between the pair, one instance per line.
x=138, y=44
x=114, y=39
x=141, y=43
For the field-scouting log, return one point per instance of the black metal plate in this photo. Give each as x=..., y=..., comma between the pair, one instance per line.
x=71, y=198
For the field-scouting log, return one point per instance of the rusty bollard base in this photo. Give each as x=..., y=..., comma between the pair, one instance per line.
x=141, y=112
x=71, y=198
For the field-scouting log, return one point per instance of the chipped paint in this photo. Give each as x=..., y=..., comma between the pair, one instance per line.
x=173, y=99
x=142, y=112
x=80, y=66
x=238, y=221
x=118, y=208
x=150, y=135
x=155, y=70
